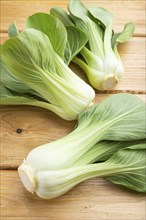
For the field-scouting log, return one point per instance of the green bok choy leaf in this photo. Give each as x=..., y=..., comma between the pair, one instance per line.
x=122, y=122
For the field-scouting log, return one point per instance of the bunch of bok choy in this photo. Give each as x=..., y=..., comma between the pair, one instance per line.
x=33, y=65
x=54, y=168
x=99, y=58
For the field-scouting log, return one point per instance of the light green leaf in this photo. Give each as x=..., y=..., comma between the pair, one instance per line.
x=8, y=97
x=13, y=30
x=76, y=38
x=133, y=161
x=123, y=121
x=126, y=34
x=122, y=37
x=76, y=41
x=8, y=80
x=4, y=91
x=52, y=27
x=105, y=19
x=59, y=13
x=79, y=14
x=67, y=42
x=102, y=15
x=113, y=40
x=77, y=8
x=82, y=19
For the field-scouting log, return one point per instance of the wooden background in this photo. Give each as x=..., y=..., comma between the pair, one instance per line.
x=96, y=199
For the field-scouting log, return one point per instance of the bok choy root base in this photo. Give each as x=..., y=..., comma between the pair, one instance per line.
x=54, y=168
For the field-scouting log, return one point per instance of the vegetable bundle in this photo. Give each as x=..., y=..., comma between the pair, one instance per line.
x=109, y=138
x=116, y=123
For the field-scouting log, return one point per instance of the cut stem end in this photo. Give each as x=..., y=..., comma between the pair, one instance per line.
x=27, y=176
x=109, y=82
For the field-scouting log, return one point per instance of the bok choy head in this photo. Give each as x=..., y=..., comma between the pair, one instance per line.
x=99, y=58
x=124, y=121
x=38, y=61
x=126, y=167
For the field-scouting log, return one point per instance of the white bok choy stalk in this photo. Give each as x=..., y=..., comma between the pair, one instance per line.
x=38, y=62
x=99, y=58
x=126, y=167
x=117, y=118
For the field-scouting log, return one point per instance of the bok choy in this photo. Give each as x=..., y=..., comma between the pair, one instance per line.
x=36, y=61
x=84, y=145
x=126, y=167
x=99, y=58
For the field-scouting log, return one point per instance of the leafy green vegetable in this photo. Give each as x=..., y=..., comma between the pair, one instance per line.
x=122, y=122
x=61, y=15
x=101, y=60
x=126, y=167
x=30, y=58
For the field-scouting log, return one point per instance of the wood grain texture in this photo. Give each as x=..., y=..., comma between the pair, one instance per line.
x=133, y=57
x=91, y=200
x=38, y=126
x=124, y=11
